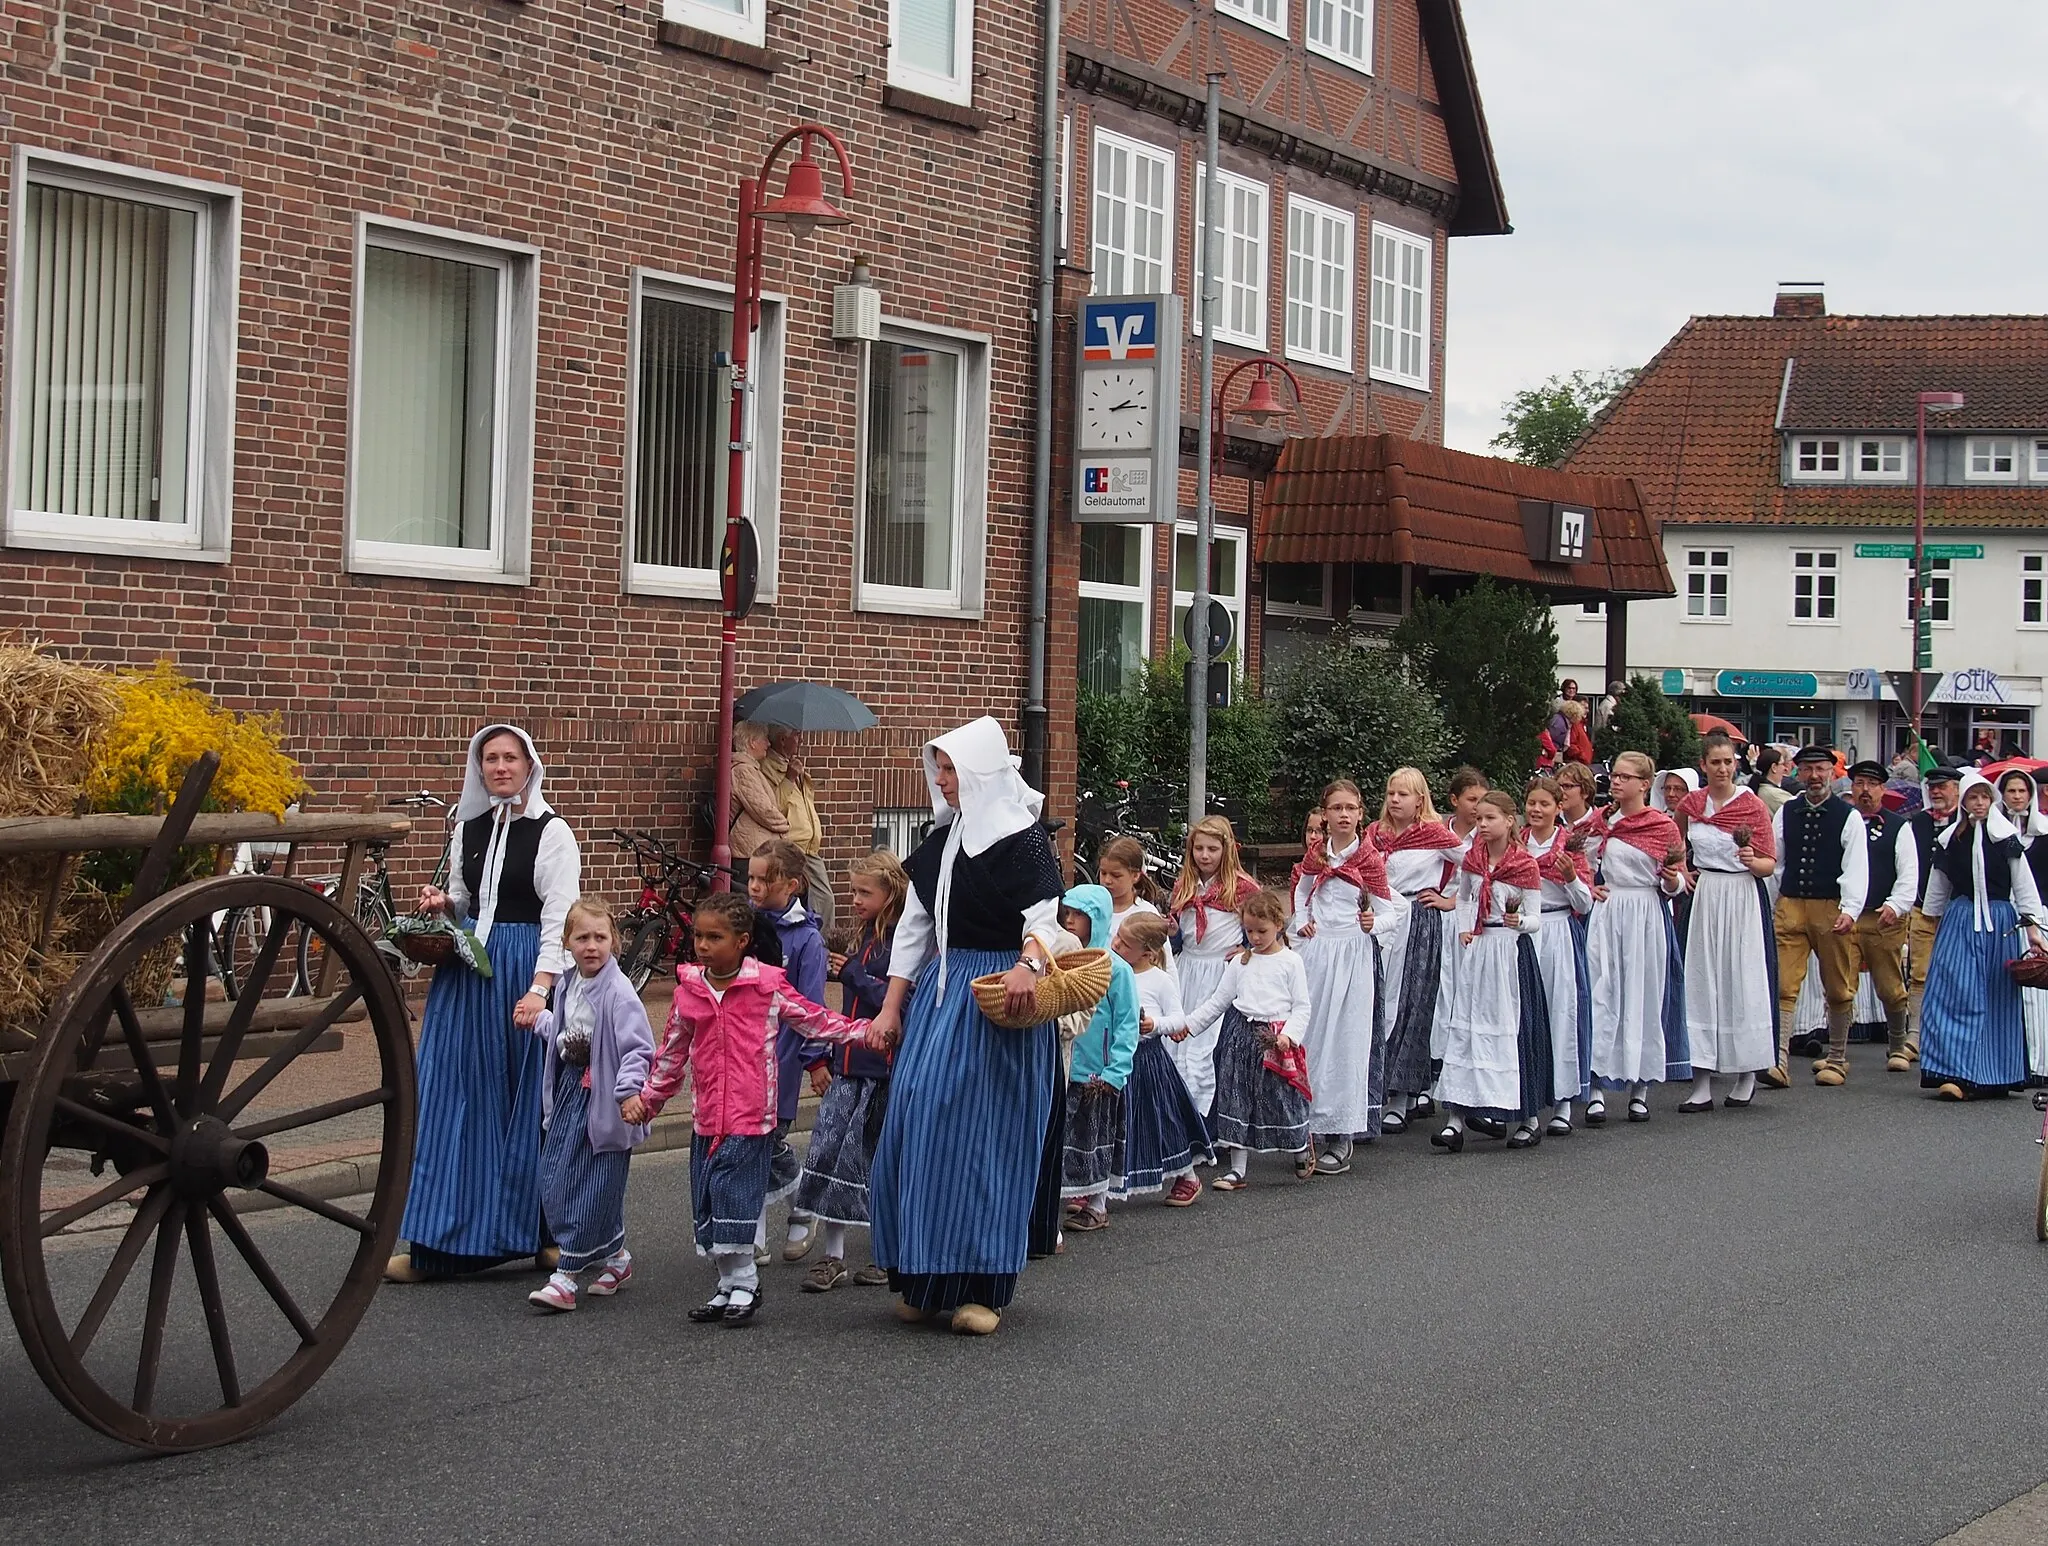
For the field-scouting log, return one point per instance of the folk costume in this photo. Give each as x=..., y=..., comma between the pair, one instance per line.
x=2032, y=826
x=1099, y=1067
x=970, y=1103
x=1210, y=933
x=1261, y=1106
x=1165, y=1137
x=1892, y=881
x=1823, y=874
x=1681, y=904
x=1731, y=1001
x=834, y=1185
x=1920, y=929
x=1633, y=961
x=1421, y=857
x=513, y=870
x=1497, y=1047
x=1561, y=955
x=1346, y=896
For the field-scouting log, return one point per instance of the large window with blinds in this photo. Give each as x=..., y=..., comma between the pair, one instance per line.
x=121, y=392
x=924, y=470
x=679, y=437
x=441, y=438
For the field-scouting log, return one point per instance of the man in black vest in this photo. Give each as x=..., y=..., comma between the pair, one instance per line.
x=1941, y=787
x=1823, y=861
x=1894, y=878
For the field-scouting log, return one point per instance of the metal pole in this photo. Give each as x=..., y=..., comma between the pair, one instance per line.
x=1036, y=716
x=1919, y=553
x=746, y=274
x=1205, y=493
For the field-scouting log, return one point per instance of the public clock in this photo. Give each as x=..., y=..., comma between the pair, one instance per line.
x=1119, y=409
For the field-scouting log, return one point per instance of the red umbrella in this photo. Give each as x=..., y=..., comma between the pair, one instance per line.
x=1997, y=770
x=1708, y=723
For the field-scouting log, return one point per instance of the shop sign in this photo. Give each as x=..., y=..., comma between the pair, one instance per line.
x=1865, y=682
x=1674, y=681
x=1766, y=684
x=1973, y=686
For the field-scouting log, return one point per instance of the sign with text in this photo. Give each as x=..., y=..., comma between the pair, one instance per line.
x=1126, y=420
x=1949, y=550
x=1973, y=686
x=1766, y=684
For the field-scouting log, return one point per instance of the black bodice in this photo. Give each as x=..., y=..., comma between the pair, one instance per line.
x=518, y=895
x=991, y=889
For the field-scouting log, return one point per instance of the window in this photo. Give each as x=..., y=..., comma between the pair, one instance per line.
x=924, y=472
x=1268, y=14
x=1241, y=260
x=1116, y=586
x=121, y=395
x=1297, y=590
x=1226, y=581
x=745, y=21
x=2033, y=602
x=441, y=422
x=1881, y=460
x=677, y=437
x=2040, y=461
x=1066, y=211
x=1400, y=306
x=1342, y=30
x=1706, y=585
x=1319, y=248
x=1817, y=458
x=1992, y=460
x=1814, y=573
x=1938, y=595
x=1377, y=592
x=931, y=47
x=1133, y=225
x=1592, y=611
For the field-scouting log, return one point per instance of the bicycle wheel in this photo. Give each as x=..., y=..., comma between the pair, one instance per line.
x=643, y=950
x=373, y=912
x=238, y=942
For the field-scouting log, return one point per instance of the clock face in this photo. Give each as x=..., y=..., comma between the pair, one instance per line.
x=1118, y=410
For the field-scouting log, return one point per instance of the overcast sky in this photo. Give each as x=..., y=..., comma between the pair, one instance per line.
x=1664, y=160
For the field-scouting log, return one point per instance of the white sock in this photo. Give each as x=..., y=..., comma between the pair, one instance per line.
x=566, y=1281
x=1454, y=1119
x=1703, y=1086
x=736, y=1271
x=1564, y=1109
x=1240, y=1160
x=1745, y=1086
x=832, y=1237
x=761, y=1230
x=1640, y=1090
x=799, y=1228
x=619, y=1258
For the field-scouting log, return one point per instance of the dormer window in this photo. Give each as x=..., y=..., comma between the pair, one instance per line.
x=1880, y=461
x=1992, y=459
x=1818, y=457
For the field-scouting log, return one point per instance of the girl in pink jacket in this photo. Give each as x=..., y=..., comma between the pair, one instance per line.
x=722, y=1027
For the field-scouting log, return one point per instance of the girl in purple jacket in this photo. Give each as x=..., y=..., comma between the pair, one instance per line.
x=834, y=1186
x=599, y=1044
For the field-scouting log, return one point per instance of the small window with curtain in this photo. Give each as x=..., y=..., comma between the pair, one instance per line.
x=931, y=48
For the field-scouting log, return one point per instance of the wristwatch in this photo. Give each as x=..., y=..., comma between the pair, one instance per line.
x=1032, y=964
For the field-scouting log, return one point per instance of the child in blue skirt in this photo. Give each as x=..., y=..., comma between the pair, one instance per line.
x=1093, y=1161
x=1164, y=1136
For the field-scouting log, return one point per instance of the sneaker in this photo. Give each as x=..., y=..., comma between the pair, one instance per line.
x=826, y=1276
x=871, y=1276
x=1831, y=1072
x=616, y=1275
x=1185, y=1190
x=555, y=1294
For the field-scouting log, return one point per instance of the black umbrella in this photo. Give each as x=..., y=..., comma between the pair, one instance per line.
x=804, y=706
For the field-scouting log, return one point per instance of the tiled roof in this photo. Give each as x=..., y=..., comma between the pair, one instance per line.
x=1383, y=499
x=1697, y=429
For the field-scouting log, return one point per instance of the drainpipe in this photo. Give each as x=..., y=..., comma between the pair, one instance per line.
x=1035, y=714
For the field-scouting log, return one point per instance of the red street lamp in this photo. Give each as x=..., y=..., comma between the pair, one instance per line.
x=803, y=207
x=1923, y=637
x=1261, y=403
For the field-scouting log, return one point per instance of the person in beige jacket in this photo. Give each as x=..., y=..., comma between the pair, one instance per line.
x=799, y=801
x=756, y=800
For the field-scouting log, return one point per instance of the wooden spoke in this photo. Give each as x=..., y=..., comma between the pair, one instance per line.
x=147, y=1217
x=107, y=1121
x=113, y=1191
x=312, y=1204
x=259, y=1265
x=198, y=940
x=312, y=1114
x=245, y=1009
x=255, y=1084
x=145, y=1065
x=200, y=1240
x=161, y=1273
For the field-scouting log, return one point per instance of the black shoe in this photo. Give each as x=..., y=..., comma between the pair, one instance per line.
x=1392, y=1123
x=1807, y=1046
x=1596, y=1114
x=1559, y=1127
x=1524, y=1137
x=1639, y=1111
x=1695, y=1107
x=1736, y=1105
x=740, y=1314
x=1487, y=1127
x=1451, y=1139
x=1423, y=1107
x=710, y=1310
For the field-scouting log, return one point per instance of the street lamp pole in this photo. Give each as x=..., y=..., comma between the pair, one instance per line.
x=1923, y=659
x=1205, y=489
x=803, y=207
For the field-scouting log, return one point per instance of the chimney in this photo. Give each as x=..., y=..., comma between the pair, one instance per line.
x=1800, y=298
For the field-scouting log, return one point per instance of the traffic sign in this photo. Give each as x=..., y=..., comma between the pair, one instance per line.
x=1884, y=550
x=1222, y=629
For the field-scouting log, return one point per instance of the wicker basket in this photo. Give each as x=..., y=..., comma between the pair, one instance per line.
x=2029, y=971
x=1072, y=983
x=427, y=949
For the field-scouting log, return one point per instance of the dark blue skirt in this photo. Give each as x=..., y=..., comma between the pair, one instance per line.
x=1164, y=1135
x=582, y=1192
x=1409, y=1067
x=475, y=1196
x=834, y=1185
x=1533, y=1054
x=729, y=1189
x=1255, y=1108
x=1094, y=1154
x=1580, y=968
x=1971, y=1029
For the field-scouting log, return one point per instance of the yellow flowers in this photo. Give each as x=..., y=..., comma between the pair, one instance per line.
x=165, y=725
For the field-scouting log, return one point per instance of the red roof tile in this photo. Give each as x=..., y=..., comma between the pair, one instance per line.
x=1383, y=499
x=1698, y=428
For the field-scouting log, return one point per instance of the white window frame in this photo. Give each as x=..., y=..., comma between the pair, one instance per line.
x=1887, y=447
x=1289, y=609
x=965, y=596
x=747, y=25
x=1066, y=221
x=957, y=87
x=1816, y=565
x=1816, y=451
x=764, y=435
x=1238, y=537
x=1331, y=12
x=1941, y=592
x=1398, y=240
x=1700, y=561
x=1320, y=217
x=2034, y=577
x=205, y=536
x=1123, y=144
x=1141, y=593
x=509, y=558
x=1232, y=185
x=2039, y=464
x=1988, y=447
x=1244, y=11
x=1592, y=612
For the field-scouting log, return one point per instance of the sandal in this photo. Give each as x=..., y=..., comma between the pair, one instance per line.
x=616, y=1275
x=1083, y=1220
x=1229, y=1181
x=1392, y=1122
x=1596, y=1113
x=827, y=1275
x=1639, y=1111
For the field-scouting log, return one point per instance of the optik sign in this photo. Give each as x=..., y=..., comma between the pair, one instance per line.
x=1127, y=409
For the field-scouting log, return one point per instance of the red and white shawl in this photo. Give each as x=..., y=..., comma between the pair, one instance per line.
x=1417, y=835
x=1365, y=869
x=1517, y=867
x=1655, y=833
x=1744, y=812
x=1550, y=864
x=1208, y=896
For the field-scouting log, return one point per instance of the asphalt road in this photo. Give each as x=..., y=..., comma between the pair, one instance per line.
x=1812, y=1322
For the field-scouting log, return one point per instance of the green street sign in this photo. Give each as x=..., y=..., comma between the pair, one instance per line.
x=1884, y=550
x=1955, y=550
x=1934, y=550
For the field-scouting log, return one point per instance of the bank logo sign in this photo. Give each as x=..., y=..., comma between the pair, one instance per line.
x=1120, y=487
x=1121, y=330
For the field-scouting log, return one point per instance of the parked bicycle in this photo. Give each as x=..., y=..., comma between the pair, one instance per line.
x=1099, y=819
x=658, y=928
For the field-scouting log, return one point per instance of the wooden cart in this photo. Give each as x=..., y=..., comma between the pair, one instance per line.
x=163, y=1115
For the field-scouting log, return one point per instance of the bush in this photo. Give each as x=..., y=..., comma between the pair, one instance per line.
x=1490, y=656
x=1353, y=708
x=1644, y=720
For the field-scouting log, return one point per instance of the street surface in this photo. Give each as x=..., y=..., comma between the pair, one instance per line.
x=1812, y=1322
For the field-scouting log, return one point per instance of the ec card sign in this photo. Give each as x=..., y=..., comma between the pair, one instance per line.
x=1127, y=409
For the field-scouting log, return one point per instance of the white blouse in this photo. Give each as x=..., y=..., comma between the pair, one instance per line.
x=557, y=877
x=1270, y=987
x=1334, y=908
x=1578, y=896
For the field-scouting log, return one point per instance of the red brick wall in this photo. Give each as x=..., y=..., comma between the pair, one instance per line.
x=572, y=128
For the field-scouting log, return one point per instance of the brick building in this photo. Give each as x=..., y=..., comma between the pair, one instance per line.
x=360, y=360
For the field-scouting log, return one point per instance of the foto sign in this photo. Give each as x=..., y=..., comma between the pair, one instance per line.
x=1556, y=533
x=1127, y=409
x=1766, y=684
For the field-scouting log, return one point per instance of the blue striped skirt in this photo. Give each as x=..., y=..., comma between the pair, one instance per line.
x=1584, y=979
x=1164, y=1136
x=475, y=1197
x=582, y=1192
x=834, y=1185
x=955, y=1173
x=1971, y=1029
x=729, y=1189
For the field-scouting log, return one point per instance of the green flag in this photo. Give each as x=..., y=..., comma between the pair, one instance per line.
x=1924, y=757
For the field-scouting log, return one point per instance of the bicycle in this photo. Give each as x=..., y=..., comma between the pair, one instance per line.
x=1098, y=821
x=660, y=925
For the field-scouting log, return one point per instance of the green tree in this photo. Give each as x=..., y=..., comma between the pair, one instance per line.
x=1140, y=736
x=1545, y=422
x=1352, y=707
x=1489, y=655
x=1642, y=719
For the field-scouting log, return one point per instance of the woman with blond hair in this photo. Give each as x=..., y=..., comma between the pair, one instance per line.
x=1203, y=907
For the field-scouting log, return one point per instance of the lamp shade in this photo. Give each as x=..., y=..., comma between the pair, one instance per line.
x=1941, y=402
x=1261, y=405
x=802, y=205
